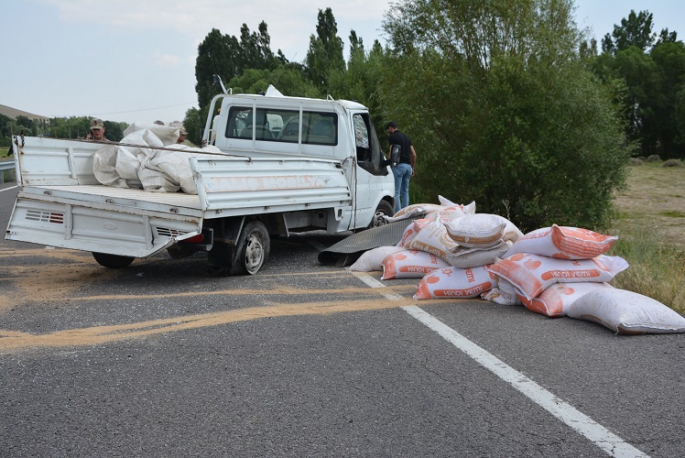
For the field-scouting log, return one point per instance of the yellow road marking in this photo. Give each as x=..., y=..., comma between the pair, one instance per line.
x=98, y=335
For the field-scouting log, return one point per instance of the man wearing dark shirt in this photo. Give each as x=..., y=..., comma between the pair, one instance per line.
x=404, y=169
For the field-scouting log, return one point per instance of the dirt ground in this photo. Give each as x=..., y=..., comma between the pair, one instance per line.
x=654, y=198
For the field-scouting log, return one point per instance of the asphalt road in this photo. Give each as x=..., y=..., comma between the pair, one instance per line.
x=162, y=359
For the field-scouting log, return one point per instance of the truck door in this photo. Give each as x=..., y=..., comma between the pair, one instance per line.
x=373, y=181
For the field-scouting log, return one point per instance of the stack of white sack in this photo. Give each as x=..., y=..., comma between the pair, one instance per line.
x=136, y=162
x=467, y=241
x=553, y=255
x=563, y=271
x=448, y=249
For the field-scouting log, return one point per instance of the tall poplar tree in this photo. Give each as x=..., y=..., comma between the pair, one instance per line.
x=325, y=54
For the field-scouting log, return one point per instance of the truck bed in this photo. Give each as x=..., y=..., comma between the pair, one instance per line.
x=62, y=204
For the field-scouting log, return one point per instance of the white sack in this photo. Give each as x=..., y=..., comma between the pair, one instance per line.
x=556, y=300
x=431, y=236
x=373, y=259
x=564, y=242
x=475, y=257
x=532, y=274
x=626, y=312
x=167, y=135
x=503, y=293
x=138, y=162
x=468, y=209
x=476, y=231
x=451, y=282
x=410, y=264
x=413, y=211
x=413, y=229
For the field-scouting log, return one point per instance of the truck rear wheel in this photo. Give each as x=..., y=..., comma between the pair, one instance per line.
x=112, y=261
x=252, y=249
x=384, y=209
x=180, y=251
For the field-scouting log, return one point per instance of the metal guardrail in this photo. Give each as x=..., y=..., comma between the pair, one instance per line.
x=5, y=165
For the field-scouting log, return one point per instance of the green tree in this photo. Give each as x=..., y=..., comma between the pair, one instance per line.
x=288, y=79
x=361, y=81
x=72, y=127
x=325, y=54
x=503, y=111
x=636, y=31
x=669, y=60
x=194, y=123
x=652, y=70
x=218, y=54
x=114, y=130
x=25, y=122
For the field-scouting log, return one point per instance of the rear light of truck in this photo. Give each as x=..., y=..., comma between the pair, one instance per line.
x=199, y=238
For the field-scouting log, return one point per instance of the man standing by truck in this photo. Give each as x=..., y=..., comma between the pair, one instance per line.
x=403, y=170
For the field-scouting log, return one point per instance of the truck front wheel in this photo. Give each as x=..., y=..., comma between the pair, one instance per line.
x=113, y=261
x=252, y=249
x=384, y=209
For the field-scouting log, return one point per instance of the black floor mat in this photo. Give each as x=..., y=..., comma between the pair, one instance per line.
x=348, y=250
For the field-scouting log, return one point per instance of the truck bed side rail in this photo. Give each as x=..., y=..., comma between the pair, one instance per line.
x=60, y=163
x=231, y=186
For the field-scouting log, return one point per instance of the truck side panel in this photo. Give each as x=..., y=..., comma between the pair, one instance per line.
x=233, y=186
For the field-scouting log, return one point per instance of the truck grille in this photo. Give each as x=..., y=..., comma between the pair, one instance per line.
x=45, y=216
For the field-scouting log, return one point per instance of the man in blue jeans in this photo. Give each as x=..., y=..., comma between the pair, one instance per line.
x=404, y=169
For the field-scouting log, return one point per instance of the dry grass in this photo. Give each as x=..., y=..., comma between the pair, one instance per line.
x=650, y=218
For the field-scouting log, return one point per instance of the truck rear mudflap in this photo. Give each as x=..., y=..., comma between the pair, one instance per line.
x=111, y=229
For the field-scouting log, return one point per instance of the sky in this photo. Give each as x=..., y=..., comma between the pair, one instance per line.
x=134, y=60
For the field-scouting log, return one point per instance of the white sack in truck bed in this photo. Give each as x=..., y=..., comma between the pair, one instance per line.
x=136, y=162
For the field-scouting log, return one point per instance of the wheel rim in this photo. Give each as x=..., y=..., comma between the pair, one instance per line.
x=378, y=219
x=254, y=254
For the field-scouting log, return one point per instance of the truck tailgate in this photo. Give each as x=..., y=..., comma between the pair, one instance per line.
x=103, y=219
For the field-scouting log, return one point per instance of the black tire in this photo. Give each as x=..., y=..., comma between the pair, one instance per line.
x=384, y=209
x=113, y=261
x=180, y=251
x=252, y=249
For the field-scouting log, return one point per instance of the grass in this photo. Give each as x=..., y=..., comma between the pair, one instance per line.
x=652, y=238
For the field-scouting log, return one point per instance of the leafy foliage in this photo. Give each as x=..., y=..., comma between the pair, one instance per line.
x=228, y=57
x=635, y=31
x=502, y=110
x=288, y=79
x=9, y=127
x=653, y=72
x=325, y=54
x=193, y=124
x=361, y=81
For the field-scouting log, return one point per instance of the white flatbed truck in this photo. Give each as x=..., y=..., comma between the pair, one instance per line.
x=288, y=165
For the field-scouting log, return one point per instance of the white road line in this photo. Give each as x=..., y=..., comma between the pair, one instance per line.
x=7, y=189
x=584, y=425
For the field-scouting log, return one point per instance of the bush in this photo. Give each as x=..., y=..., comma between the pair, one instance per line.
x=506, y=113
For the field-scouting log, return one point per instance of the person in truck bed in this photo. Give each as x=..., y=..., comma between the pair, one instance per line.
x=97, y=131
